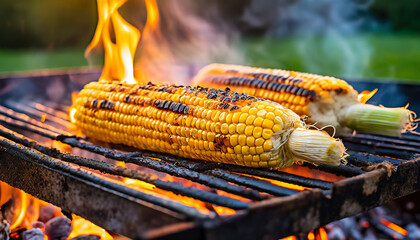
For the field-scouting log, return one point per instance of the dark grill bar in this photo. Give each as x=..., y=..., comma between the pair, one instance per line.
x=84, y=178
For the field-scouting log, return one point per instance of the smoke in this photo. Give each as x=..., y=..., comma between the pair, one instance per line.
x=190, y=34
x=183, y=42
x=324, y=31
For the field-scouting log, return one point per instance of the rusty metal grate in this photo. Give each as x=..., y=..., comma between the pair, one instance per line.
x=380, y=169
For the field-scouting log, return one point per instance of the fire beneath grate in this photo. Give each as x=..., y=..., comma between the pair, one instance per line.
x=142, y=194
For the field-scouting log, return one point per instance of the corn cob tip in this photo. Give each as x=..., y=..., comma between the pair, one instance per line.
x=315, y=146
x=377, y=119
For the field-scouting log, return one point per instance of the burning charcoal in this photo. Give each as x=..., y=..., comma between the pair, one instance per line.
x=38, y=224
x=58, y=228
x=87, y=237
x=4, y=230
x=33, y=234
x=48, y=212
x=413, y=231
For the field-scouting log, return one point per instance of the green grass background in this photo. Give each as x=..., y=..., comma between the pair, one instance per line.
x=382, y=56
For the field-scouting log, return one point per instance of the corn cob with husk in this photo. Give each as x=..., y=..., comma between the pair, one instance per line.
x=327, y=101
x=200, y=123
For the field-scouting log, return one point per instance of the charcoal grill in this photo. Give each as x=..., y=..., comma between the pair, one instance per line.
x=33, y=117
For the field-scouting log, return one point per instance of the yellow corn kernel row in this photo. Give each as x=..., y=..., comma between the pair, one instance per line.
x=293, y=90
x=209, y=124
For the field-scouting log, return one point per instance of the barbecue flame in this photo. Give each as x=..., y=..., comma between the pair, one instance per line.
x=26, y=211
x=84, y=227
x=119, y=56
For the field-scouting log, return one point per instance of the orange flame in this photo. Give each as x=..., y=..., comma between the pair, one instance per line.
x=119, y=56
x=84, y=227
x=288, y=238
x=199, y=205
x=394, y=227
x=366, y=95
x=27, y=211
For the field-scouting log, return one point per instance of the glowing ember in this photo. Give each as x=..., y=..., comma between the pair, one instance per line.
x=311, y=236
x=322, y=234
x=312, y=173
x=289, y=238
x=394, y=226
x=199, y=205
x=281, y=184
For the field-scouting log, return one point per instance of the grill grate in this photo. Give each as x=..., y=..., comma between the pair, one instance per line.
x=29, y=125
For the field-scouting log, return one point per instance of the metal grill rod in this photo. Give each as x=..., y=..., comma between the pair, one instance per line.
x=48, y=162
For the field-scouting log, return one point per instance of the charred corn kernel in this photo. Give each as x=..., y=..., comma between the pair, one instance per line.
x=210, y=124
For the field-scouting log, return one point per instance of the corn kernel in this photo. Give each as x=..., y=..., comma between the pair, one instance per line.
x=258, y=121
x=268, y=145
x=257, y=132
x=249, y=130
x=243, y=117
x=233, y=140
x=267, y=133
x=259, y=141
x=236, y=116
x=238, y=149
x=265, y=156
x=224, y=128
x=242, y=140
x=240, y=128
x=250, y=120
x=253, y=111
x=247, y=158
x=250, y=141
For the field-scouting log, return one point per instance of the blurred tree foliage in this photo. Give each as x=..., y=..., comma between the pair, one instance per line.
x=56, y=24
x=402, y=15
x=46, y=23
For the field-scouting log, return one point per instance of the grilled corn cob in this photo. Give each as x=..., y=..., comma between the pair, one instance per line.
x=327, y=101
x=210, y=124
